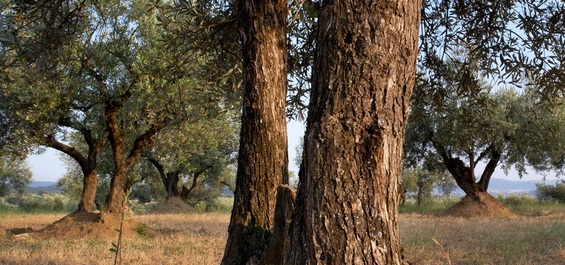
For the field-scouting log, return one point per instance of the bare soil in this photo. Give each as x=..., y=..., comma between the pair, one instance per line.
x=84, y=225
x=486, y=206
x=173, y=205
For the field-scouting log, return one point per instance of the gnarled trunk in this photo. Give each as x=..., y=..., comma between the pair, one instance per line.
x=116, y=200
x=262, y=160
x=465, y=175
x=170, y=179
x=346, y=209
x=88, y=164
x=117, y=197
x=90, y=184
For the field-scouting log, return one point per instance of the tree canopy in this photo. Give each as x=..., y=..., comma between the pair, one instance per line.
x=107, y=70
x=15, y=175
x=483, y=125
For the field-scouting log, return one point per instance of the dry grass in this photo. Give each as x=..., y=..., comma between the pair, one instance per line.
x=185, y=239
x=520, y=240
x=200, y=239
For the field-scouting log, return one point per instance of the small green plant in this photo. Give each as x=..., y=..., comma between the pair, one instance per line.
x=142, y=229
x=117, y=247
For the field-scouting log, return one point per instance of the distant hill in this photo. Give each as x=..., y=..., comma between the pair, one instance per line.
x=36, y=184
x=43, y=187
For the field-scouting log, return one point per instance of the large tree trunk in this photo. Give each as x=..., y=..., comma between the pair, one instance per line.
x=88, y=165
x=262, y=161
x=346, y=209
x=117, y=196
x=116, y=200
x=90, y=185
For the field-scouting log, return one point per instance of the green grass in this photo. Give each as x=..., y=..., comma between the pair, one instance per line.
x=520, y=203
x=436, y=205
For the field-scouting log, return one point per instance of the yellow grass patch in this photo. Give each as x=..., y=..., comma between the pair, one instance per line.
x=200, y=239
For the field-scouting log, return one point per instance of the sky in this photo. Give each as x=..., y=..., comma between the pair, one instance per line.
x=49, y=167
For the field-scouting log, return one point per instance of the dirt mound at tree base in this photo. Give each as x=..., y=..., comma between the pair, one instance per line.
x=172, y=205
x=87, y=225
x=487, y=206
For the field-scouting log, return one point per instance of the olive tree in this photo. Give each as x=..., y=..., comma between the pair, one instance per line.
x=15, y=175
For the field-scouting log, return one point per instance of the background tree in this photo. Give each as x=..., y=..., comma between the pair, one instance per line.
x=350, y=177
x=551, y=192
x=110, y=65
x=15, y=175
x=44, y=94
x=477, y=124
x=423, y=182
x=193, y=159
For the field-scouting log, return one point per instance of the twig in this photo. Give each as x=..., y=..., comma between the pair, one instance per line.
x=442, y=249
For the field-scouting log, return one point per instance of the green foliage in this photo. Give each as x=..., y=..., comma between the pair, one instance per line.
x=513, y=200
x=202, y=153
x=476, y=122
x=45, y=203
x=219, y=204
x=15, y=175
x=424, y=182
x=434, y=205
x=62, y=78
x=71, y=183
x=515, y=41
x=551, y=192
x=142, y=229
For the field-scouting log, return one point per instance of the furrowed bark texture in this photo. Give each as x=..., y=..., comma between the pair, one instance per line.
x=262, y=161
x=363, y=75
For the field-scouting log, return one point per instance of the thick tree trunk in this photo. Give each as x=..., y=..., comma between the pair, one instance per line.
x=172, y=184
x=465, y=175
x=262, y=161
x=116, y=200
x=274, y=253
x=88, y=165
x=489, y=170
x=90, y=184
x=170, y=179
x=347, y=202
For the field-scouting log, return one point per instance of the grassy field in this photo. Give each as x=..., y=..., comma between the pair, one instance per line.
x=538, y=237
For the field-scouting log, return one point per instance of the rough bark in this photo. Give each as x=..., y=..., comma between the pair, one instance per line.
x=274, y=253
x=90, y=184
x=363, y=75
x=262, y=160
